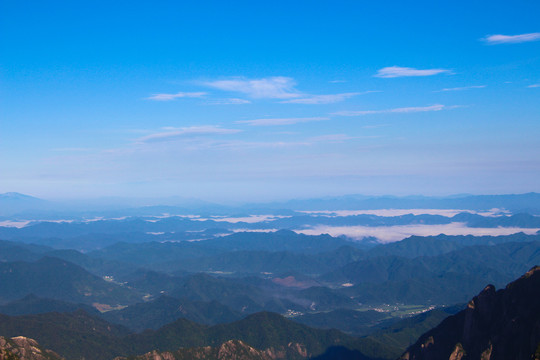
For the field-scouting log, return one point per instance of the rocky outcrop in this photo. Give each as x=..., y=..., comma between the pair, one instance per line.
x=229, y=350
x=496, y=325
x=23, y=348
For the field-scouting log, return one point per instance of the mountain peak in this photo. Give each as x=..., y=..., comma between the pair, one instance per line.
x=17, y=196
x=23, y=348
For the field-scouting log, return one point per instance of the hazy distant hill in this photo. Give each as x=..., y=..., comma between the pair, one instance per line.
x=282, y=240
x=514, y=202
x=31, y=304
x=61, y=280
x=166, y=309
x=444, y=279
x=416, y=246
x=12, y=203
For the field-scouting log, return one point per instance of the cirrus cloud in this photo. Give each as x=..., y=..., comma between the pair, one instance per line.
x=280, y=121
x=277, y=87
x=398, y=71
x=169, y=97
x=511, y=39
x=172, y=133
x=462, y=88
x=324, y=99
x=403, y=110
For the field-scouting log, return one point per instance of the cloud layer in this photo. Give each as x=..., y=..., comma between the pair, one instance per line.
x=387, y=234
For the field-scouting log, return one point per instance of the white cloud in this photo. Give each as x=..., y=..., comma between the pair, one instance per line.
x=398, y=71
x=278, y=87
x=324, y=99
x=72, y=149
x=436, y=107
x=171, y=133
x=331, y=138
x=230, y=101
x=280, y=121
x=387, y=234
x=534, y=86
x=463, y=88
x=511, y=39
x=169, y=97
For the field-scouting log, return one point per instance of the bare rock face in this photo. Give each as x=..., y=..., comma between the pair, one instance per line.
x=229, y=350
x=23, y=348
x=496, y=325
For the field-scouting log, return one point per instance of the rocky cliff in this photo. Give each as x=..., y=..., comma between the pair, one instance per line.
x=496, y=325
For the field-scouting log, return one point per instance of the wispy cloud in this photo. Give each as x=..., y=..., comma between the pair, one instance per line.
x=511, y=39
x=72, y=149
x=172, y=133
x=462, y=88
x=404, y=110
x=331, y=138
x=230, y=101
x=280, y=121
x=278, y=87
x=398, y=71
x=534, y=86
x=325, y=99
x=169, y=97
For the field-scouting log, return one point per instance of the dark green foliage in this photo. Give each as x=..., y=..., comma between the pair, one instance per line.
x=444, y=279
x=152, y=282
x=32, y=304
x=262, y=330
x=323, y=298
x=350, y=321
x=58, y=279
x=74, y=336
x=401, y=334
x=165, y=309
x=282, y=240
x=256, y=262
x=234, y=293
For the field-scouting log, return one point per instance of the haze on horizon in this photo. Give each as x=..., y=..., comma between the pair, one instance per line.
x=252, y=101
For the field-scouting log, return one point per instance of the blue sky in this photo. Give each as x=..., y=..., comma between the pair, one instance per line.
x=259, y=101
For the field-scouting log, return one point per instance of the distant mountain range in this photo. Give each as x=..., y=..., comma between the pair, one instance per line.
x=30, y=207
x=281, y=294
